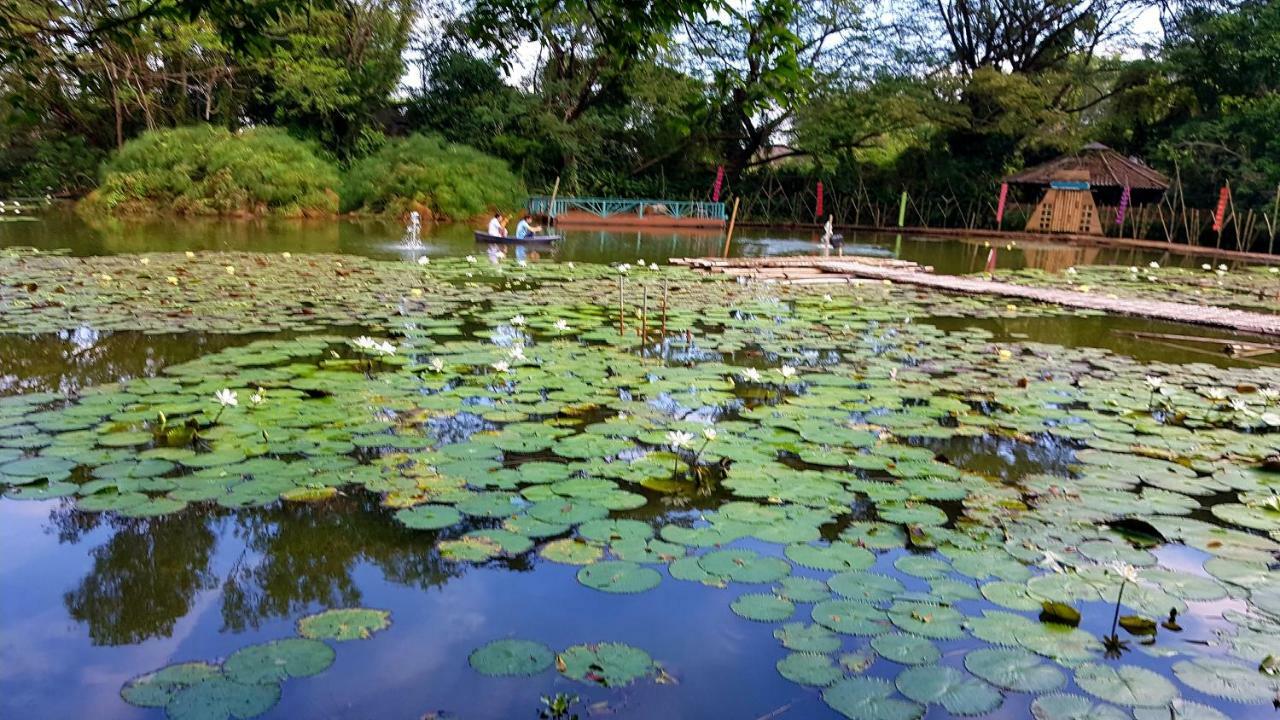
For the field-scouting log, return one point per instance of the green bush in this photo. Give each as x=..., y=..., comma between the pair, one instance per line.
x=442, y=180
x=206, y=170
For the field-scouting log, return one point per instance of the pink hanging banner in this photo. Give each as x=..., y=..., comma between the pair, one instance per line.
x=1124, y=205
x=1220, y=215
x=1004, y=195
x=818, y=211
x=715, y=189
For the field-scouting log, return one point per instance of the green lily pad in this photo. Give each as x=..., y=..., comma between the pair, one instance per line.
x=220, y=698
x=511, y=657
x=851, y=617
x=1226, y=679
x=809, y=669
x=1065, y=706
x=762, y=607
x=958, y=692
x=801, y=637
x=609, y=664
x=156, y=689
x=619, y=576
x=428, y=517
x=278, y=660
x=865, y=698
x=1016, y=670
x=344, y=624
x=1127, y=685
x=570, y=551
x=906, y=649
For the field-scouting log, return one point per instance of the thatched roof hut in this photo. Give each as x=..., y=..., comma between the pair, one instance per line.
x=1108, y=174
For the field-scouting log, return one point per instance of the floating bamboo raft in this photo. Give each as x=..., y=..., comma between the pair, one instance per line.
x=811, y=269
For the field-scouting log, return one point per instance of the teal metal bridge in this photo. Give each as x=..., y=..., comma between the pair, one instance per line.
x=608, y=207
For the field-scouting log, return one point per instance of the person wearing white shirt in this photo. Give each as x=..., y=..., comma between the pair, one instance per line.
x=495, y=226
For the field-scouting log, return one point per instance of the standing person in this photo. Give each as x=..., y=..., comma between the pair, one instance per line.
x=495, y=225
x=524, y=229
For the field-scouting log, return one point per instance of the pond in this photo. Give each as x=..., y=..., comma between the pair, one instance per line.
x=301, y=474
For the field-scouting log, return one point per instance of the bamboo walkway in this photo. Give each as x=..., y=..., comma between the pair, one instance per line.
x=807, y=269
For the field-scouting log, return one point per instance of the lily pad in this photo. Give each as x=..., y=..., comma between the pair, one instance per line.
x=809, y=669
x=278, y=660
x=1127, y=685
x=619, y=576
x=344, y=624
x=958, y=692
x=511, y=657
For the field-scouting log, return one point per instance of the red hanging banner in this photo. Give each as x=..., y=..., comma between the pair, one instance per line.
x=1004, y=195
x=1124, y=205
x=715, y=189
x=1220, y=214
x=818, y=212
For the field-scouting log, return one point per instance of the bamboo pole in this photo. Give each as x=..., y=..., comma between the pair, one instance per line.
x=644, y=317
x=1271, y=226
x=551, y=209
x=728, y=238
x=622, y=308
x=664, y=312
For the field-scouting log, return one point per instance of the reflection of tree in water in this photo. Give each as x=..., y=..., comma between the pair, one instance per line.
x=143, y=578
x=301, y=556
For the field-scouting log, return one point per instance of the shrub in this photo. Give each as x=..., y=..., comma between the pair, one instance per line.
x=442, y=180
x=206, y=170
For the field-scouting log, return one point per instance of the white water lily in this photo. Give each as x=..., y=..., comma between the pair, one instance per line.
x=570, y=264
x=709, y=433
x=640, y=262
x=751, y=374
x=1214, y=393
x=172, y=279
x=1153, y=265
x=258, y=397
x=787, y=372
x=826, y=298
x=1269, y=394
x=364, y=342
x=561, y=325
x=1206, y=266
x=1240, y=406
x=516, y=352
x=501, y=366
x=231, y=269
x=1152, y=278
x=471, y=259
x=517, y=321
x=424, y=260
x=145, y=260
x=624, y=268
x=226, y=397
x=190, y=254
x=1223, y=267
x=1274, y=270
x=1133, y=270
x=1154, y=382
x=436, y=364
x=1071, y=271
x=1126, y=571
x=286, y=255
x=105, y=277
x=522, y=263
x=679, y=438
x=1052, y=562
x=385, y=348
x=1270, y=419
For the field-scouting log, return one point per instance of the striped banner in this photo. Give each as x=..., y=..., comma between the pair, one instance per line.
x=1220, y=215
x=1004, y=195
x=1124, y=205
x=818, y=211
x=715, y=189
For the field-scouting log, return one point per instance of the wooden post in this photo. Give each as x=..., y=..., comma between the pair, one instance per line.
x=622, y=308
x=551, y=209
x=732, y=218
x=664, y=312
x=644, y=316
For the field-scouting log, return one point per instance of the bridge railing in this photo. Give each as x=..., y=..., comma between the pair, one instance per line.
x=608, y=207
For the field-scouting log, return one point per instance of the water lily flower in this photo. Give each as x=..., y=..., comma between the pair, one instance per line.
x=1220, y=273
x=1273, y=270
x=622, y=416
x=1071, y=271
x=516, y=352
x=436, y=364
x=640, y=262
x=826, y=298
x=286, y=255
x=227, y=397
x=190, y=254
x=1269, y=394
x=1052, y=562
x=1223, y=267
x=1214, y=393
x=1152, y=278
x=365, y=343
x=145, y=260
x=106, y=277
x=1270, y=419
x=1153, y=265
x=385, y=348
x=424, y=260
x=416, y=292
x=787, y=372
x=1240, y=406
x=471, y=259
x=570, y=265
x=709, y=433
x=172, y=279
x=679, y=438
x=1126, y=571
x=258, y=397
x=751, y=374
x=561, y=325
x=624, y=268
x=1206, y=266
x=501, y=366
x=1133, y=270
x=231, y=269
x=1004, y=354
x=522, y=263
x=517, y=321
x=893, y=373
x=1154, y=382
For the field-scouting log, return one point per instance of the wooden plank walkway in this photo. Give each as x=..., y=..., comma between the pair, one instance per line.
x=842, y=269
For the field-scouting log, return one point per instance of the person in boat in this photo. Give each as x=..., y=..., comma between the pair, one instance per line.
x=524, y=229
x=497, y=227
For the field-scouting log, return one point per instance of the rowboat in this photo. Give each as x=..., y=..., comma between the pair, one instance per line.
x=483, y=237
